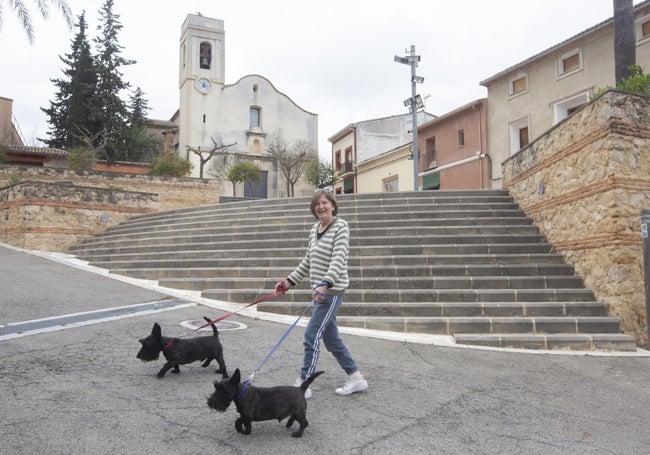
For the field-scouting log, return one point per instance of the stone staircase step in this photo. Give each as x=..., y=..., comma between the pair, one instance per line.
x=372, y=214
x=296, y=251
x=405, y=283
x=356, y=273
x=444, y=263
x=454, y=326
x=468, y=270
x=561, y=341
x=350, y=204
x=450, y=309
x=392, y=297
x=290, y=233
x=268, y=242
x=212, y=225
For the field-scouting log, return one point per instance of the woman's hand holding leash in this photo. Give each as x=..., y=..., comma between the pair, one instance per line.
x=318, y=295
x=282, y=286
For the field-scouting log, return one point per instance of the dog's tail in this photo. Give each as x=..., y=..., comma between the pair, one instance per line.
x=214, y=327
x=307, y=382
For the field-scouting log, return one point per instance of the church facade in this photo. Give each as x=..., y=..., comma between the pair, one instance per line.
x=235, y=121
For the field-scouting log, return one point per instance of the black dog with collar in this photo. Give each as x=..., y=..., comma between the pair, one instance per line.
x=182, y=351
x=256, y=404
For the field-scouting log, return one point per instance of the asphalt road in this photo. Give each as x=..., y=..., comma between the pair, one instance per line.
x=78, y=389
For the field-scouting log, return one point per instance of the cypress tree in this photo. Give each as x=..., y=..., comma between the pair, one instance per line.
x=69, y=115
x=110, y=111
x=140, y=145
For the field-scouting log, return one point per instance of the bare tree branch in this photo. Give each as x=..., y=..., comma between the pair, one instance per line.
x=206, y=155
x=291, y=161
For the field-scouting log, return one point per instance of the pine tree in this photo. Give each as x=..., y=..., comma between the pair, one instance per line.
x=109, y=109
x=70, y=113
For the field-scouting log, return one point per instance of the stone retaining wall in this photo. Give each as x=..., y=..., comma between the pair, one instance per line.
x=53, y=216
x=584, y=184
x=51, y=209
x=173, y=192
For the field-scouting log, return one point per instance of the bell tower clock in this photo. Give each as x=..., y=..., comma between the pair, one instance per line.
x=201, y=73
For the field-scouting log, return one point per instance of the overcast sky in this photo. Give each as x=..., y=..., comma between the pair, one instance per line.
x=333, y=58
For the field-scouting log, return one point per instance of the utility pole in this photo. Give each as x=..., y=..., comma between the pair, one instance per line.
x=413, y=103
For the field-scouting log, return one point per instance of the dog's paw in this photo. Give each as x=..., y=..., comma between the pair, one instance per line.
x=243, y=430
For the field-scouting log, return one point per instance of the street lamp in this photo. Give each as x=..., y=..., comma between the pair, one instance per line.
x=413, y=103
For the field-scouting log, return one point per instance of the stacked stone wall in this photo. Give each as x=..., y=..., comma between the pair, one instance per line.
x=54, y=216
x=51, y=209
x=584, y=183
x=173, y=192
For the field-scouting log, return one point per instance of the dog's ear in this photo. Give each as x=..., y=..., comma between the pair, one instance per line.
x=156, y=330
x=236, y=377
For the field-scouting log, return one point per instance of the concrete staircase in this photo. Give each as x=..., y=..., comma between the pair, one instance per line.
x=466, y=264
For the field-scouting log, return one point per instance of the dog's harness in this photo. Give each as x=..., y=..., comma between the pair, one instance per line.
x=260, y=300
x=273, y=349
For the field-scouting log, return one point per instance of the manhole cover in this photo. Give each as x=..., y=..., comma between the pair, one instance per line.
x=221, y=325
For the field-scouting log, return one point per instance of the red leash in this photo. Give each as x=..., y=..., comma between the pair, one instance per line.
x=260, y=300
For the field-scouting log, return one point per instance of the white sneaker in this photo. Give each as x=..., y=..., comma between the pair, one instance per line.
x=298, y=383
x=354, y=384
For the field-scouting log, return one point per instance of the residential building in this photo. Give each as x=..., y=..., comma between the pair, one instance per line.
x=11, y=140
x=9, y=134
x=388, y=172
x=453, y=150
x=165, y=132
x=368, y=146
x=527, y=99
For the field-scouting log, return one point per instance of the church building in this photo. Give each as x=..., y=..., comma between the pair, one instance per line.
x=238, y=120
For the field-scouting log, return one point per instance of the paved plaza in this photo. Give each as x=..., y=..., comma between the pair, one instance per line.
x=78, y=388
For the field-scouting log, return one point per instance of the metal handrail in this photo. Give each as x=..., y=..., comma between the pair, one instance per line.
x=478, y=156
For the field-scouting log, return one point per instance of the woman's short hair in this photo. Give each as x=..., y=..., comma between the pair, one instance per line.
x=329, y=196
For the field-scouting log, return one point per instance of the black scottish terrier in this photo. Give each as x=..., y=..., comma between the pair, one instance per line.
x=182, y=351
x=256, y=404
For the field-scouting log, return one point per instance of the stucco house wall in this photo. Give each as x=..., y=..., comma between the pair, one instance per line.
x=369, y=139
x=390, y=172
x=8, y=133
x=444, y=132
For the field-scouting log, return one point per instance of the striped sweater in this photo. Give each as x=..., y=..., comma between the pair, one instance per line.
x=326, y=258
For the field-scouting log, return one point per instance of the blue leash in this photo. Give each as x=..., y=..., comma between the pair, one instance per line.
x=277, y=345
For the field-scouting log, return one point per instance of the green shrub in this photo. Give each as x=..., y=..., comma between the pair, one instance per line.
x=170, y=164
x=80, y=159
x=4, y=158
x=15, y=179
x=637, y=83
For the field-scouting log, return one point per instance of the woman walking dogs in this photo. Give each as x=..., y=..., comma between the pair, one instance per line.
x=326, y=266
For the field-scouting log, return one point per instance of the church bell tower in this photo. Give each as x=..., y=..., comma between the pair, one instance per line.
x=201, y=76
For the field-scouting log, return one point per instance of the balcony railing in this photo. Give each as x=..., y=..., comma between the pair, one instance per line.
x=345, y=168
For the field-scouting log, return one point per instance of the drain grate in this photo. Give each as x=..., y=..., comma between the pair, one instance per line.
x=44, y=324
